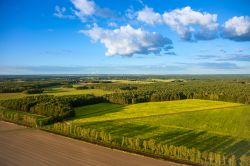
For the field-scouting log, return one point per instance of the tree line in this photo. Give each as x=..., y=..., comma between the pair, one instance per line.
x=27, y=87
x=24, y=118
x=57, y=108
x=150, y=146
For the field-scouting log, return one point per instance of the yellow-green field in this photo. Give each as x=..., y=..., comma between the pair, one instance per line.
x=5, y=96
x=73, y=91
x=146, y=81
x=132, y=81
x=57, y=91
x=206, y=125
x=146, y=109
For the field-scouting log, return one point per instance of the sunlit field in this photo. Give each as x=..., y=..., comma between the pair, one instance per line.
x=217, y=129
x=146, y=109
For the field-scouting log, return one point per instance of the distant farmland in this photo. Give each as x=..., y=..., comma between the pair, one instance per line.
x=56, y=91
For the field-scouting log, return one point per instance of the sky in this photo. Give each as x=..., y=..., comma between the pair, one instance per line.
x=124, y=37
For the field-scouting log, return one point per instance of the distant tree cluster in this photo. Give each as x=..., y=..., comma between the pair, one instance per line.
x=128, y=87
x=4, y=89
x=84, y=87
x=34, y=91
x=231, y=92
x=31, y=86
x=150, y=146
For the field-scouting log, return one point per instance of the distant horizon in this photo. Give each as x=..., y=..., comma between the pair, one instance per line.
x=108, y=70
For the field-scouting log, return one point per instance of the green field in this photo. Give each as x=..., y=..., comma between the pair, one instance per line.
x=146, y=81
x=5, y=96
x=216, y=129
x=73, y=91
x=145, y=109
x=57, y=91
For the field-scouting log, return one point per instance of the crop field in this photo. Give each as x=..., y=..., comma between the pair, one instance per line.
x=57, y=91
x=220, y=126
x=102, y=112
x=146, y=81
x=131, y=81
x=73, y=91
x=5, y=96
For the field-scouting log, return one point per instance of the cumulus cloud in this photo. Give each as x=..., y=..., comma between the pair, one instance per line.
x=192, y=25
x=60, y=12
x=237, y=28
x=84, y=8
x=127, y=41
x=148, y=16
x=189, y=24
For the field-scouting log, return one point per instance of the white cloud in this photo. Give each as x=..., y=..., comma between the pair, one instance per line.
x=84, y=8
x=126, y=40
x=189, y=24
x=192, y=24
x=60, y=12
x=148, y=16
x=237, y=28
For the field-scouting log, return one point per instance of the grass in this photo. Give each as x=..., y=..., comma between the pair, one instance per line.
x=96, y=109
x=147, y=109
x=147, y=81
x=132, y=81
x=5, y=96
x=216, y=129
x=72, y=91
x=57, y=91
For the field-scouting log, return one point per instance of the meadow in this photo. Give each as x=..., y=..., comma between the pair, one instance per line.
x=102, y=112
x=56, y=91
x=217, y=128
x=145, y=81
x=72, y=91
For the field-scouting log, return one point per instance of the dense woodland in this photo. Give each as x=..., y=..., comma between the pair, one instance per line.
x=223, y=91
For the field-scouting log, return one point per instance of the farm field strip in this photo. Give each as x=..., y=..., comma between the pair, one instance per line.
x=206, y=125
x=147, y=109
x=156, y=116
x=217, y=130
x=228, y=121
x=56, y=92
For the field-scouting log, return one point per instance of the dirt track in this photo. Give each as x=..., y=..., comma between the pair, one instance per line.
x=25, y=146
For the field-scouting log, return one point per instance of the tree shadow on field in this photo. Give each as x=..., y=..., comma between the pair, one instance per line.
x=128, y=129
x=95, y=113
x=205, y=141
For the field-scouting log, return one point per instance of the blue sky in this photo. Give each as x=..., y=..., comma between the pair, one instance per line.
x=124, y=37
